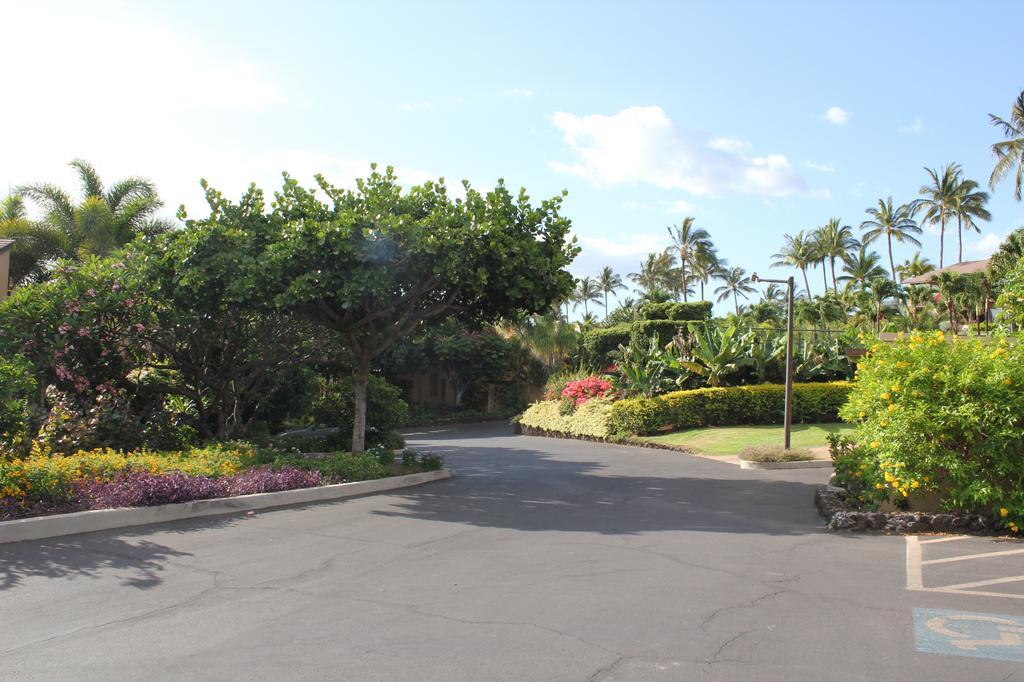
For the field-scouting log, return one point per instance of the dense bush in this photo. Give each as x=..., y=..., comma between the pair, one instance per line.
x=759, y=404
x=17, y=387
x=938, y=415
x=697, y=310
x=337, y=467
x=556, y=383
x=580, y=391
x=590, y=419
x=334, y=405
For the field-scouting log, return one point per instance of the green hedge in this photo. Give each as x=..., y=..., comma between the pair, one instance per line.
x=590, y=418
x=598, y=343
x=759, y=404
x=680, y=312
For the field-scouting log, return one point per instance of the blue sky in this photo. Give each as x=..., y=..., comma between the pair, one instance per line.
x=644, y=111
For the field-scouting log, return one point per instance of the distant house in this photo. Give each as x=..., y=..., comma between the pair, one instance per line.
x=966, y=267
x=5, y=266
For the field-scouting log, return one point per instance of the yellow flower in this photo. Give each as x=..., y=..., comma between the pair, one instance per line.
x=896, y=387
x=1004, y=512
x=1008, y=381
x=902, y=363
x=891, y=408
x=879, y=486
x=863, y=414
x=875, y=443
x=886, y=396
x=883, y=423
x=1013, y=527
x=915, y=484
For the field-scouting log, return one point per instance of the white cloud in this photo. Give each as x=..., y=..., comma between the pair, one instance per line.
x=729, y=144
x=677, y=206
x=820, y=193
x=519, y=92
x=836, y=116
x=415, y=106
x=631, y=245
x=820, y=167
x=641, y=145
x=914, y=127
x=987, y=244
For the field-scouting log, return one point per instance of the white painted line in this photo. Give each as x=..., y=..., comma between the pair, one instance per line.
x=950, y=559
x=914, y=579
x=976, y=593
x=985, y=583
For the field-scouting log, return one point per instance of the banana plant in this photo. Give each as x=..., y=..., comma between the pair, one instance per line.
x=713, y=353
x=645, y=368
x=767, y=354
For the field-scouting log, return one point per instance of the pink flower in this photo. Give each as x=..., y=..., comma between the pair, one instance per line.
x=582, y=390
x=91, y=293
x=139, y=328
x=64, y=328
x=84, y=331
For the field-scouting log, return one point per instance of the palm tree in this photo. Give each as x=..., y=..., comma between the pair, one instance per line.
x=968, y=204
x=1007, y=256
x=651, y=275
x=821, y=258
x=914, y=267
x=735, y=283
x=799, y=252
x=705, y=265
x=688, y=240
x=882, y=289
x=36, y=244
x=587, y=290
x=939, y=198
x=608, y=282
x=835, y=241
x=895, y=224
x=950, y=286
x=773, y=293
x=1010, y=152
x=105, y=218
x=862, y=268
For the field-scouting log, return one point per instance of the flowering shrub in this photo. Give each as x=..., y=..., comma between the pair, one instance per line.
x=938, y=415
x=580, y=391
x=143, y=489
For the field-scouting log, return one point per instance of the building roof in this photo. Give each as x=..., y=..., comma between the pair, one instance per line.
x=6, y=244
x=966, y=267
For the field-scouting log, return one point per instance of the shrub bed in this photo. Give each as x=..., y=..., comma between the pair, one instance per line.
x=938, y=417
x=589, y=420
x=45, y=483
x=757, y=404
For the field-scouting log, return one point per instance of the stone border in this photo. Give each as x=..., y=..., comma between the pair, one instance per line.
x=799, y=464
x=40, y=527
x=831, y=503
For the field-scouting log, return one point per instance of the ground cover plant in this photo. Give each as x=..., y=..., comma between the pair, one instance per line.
x=770, y=454
x=47, y=482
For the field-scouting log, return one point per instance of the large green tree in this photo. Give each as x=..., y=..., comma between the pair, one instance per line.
x=835, y=240
x=735, y=283
x=939, y=199
x=968, y=206
x=37, y=244
x=1009, y=153
x=800, y=252
x=587, y=291
x=687, y=241
x=894, y=224
x=609, y=283
x=376, y=262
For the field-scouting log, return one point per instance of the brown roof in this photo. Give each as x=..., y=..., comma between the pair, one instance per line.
x=964, y=268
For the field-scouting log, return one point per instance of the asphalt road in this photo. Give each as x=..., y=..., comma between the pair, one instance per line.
x=542, y=560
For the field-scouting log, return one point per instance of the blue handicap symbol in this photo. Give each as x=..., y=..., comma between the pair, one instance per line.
x=965, y=633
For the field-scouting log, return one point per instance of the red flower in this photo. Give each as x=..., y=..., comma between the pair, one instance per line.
x=582, y=390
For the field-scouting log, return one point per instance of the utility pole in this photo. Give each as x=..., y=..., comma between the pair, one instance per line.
x=788, y=417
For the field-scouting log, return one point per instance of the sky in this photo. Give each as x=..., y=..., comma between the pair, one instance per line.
x=758, y=119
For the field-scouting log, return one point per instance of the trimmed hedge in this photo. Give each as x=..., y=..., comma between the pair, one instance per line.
x=679, y=312
x=758, y=404
x=590, y=420
x=663, y=319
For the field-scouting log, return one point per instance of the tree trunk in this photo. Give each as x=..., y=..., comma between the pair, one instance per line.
x=682, y=265
x=892, y=263
x=360, y=380
x=807, y=283
x=824, y=277
x=960, y=239
x=942, y=240
x=606, y=306
x=735, y=303
x=702, y=290
x=835, y=287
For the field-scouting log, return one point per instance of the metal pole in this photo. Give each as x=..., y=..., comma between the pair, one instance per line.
x=789, y=362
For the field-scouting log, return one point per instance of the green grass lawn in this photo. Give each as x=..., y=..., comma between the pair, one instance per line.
x=729, y=440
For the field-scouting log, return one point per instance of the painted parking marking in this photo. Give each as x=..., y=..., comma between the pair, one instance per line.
x=916, y=564
x=965, y=633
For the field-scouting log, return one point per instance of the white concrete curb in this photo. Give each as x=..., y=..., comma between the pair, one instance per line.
x=39, y=527
x=806, y=464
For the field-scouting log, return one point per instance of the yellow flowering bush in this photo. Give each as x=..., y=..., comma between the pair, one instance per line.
x=938, y=414
x=48, y=478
